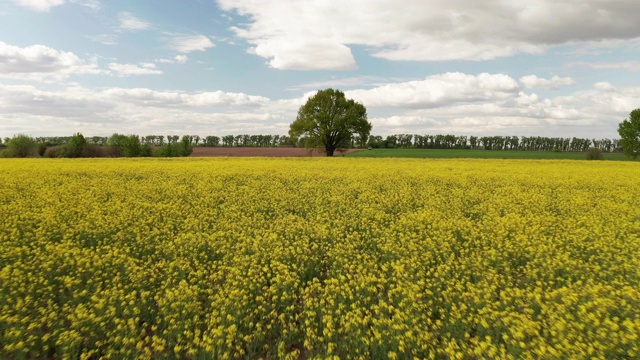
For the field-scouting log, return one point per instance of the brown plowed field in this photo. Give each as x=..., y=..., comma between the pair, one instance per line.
x=260, y=151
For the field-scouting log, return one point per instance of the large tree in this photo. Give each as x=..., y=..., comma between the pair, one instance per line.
x=21, y=146
x=629, y=131
x=329, y=120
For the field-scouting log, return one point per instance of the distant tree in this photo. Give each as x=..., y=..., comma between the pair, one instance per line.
x=185, y=146
x=42, y=146
x=328, y=120
x=212, y=141
x=75, y=146
x=21, y=146
x=172, y=139
x=115, y=144
x=629, y=131
x=132, y=146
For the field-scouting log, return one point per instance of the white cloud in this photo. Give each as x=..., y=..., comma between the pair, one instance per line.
x=148, y=97
x=454, y=103
x=38, y=62
x=397, y=121
x=39, y=5
x=604, y=86
x=284, y=32
x=139, y=110
x=301, y=54
x=128, y=22
x=28, y=100
x=438, y=90
x=133, y=69
x=633, y=65
x=178, y=59
x=189, y=43
x=532, y=81
x=343, y=82
x=46, y=5
x=90, y=4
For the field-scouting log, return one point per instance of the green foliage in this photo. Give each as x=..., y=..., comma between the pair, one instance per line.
x=594, y=154
x=146, y=150
x=131, y=146
x=629, y=131
x=166, y=150
x=116, y=144
x=75, y=147
x=21, y=146
x=174, y=148
x=328, y=121
x=42, y=148
x=185, y=146
x=119, y=145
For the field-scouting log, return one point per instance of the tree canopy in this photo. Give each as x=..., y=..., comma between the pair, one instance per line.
x=329, y=120
x=21, y=146
x=629, y=131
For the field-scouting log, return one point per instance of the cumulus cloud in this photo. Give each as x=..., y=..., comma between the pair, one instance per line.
x=128, y=22
x=189, y=43
x=438, y=90
x=29, y=100
x=284, y=32
x=604, y=86
x=454, y=103
x=137, y=110
x=38, y=62
x=556, y=82
x=293, y=54
x=122, y=70
x=148, y=97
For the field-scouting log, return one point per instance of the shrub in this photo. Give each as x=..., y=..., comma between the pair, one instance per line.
x=167, y=150
x=76, y=147
x=94, y=151
x=594, y=154
x=146, y=150
x=21, y=146
x=115, y=145
x=52, y=152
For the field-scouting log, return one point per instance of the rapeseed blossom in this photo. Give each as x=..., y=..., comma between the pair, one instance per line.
x=319, y=258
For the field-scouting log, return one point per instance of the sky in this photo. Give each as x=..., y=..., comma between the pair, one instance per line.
x=559, y=68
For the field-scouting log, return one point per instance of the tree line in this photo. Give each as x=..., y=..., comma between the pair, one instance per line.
x=244, y=140
x=116, y=145
x=523, y=143
x=119, y=145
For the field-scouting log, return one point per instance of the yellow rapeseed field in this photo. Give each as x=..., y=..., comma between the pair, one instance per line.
x=311, y=258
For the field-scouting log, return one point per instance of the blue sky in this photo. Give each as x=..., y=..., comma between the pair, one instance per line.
x=540, y=67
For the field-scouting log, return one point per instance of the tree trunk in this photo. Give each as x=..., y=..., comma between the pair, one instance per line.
x=330, y=151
